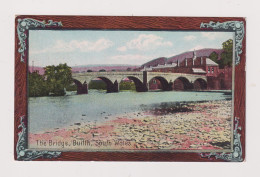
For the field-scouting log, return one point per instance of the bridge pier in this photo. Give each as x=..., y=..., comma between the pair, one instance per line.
x=82, y=89
x=141, y=88
x=112, y=88
x=169, y=87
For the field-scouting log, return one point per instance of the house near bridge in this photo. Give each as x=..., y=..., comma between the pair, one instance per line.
x=196, y=62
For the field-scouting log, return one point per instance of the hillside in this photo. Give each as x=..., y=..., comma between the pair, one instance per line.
x=181, y=57
x=189, y=54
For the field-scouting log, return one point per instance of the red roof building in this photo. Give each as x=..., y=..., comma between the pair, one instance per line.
x=197, y=63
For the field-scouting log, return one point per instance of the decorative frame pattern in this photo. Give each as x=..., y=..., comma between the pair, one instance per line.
x=28, y=23
x=21, y=148
x=23, y=153
x=237, y=26
x=24, y=23
x=236, y=155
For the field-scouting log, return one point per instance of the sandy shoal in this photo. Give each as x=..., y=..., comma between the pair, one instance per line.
x=189, y=126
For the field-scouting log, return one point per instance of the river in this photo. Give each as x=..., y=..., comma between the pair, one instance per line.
x=47, y=113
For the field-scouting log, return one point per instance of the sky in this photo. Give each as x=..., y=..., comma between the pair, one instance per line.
x=90, y=47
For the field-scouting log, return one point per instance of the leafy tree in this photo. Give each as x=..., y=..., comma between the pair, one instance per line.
x=97, y=84
x=227, y=54
x=100, y=85
x=214, y=56
x=37, y=85
x=71, y=87
x=127, y=86
x=228, y=46
x=226, y=59
x=58, y=78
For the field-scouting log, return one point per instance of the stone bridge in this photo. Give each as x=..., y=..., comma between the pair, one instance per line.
x=140, y=78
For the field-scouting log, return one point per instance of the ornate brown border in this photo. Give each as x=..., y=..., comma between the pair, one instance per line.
x=127, y=23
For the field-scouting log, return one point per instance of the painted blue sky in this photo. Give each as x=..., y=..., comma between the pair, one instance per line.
x=87, y=47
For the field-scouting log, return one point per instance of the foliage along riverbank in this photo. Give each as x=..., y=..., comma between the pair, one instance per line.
x=55, y=81
x=101, y=85
x=58, y=79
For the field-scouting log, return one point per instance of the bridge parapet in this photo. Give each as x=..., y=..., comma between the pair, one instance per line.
x=171, y=77
x=113, y=76
x=141, y=79
x=118, y=76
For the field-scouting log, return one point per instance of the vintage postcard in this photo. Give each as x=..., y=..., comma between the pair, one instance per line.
x=138, y=88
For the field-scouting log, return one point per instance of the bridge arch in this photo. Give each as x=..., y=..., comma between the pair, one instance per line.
x=166, y=86
x=139, y=85
x=182, y=83
x=111, y=86
x=82, y=88
x=169, y=80
x=200, y=84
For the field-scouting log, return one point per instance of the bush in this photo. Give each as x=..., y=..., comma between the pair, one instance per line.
x=53, y=82
x=71, y=87
x=97, y=84
x=58, y=78
x=127, y=86
x=37, y=85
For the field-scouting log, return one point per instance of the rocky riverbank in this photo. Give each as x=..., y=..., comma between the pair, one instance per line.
x=182, y=126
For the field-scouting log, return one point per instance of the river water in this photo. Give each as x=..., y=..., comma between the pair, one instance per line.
x=47, y=113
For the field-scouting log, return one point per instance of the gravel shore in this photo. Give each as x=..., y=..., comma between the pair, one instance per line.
x=182, y=126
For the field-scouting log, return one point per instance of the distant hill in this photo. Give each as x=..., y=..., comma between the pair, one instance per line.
x=155, y=62
x=85, y=68
x=189, y=54
x=182, y=56
x=103, y=67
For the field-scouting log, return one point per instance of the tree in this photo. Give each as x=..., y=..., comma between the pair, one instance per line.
x=71, y=87
x=226, y=59
x=37, y=85
x=58, y=78
x=97, y=84
x=227, y=54
x=127, y=85
x=228, y=46
x=214, y=56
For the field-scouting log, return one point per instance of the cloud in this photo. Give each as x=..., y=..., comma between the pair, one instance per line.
x=197, y=47
x=122, y=49
x=189, y=37
x=75, y=45
x=130, y=58
x=146, y=42
x=213, y=35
